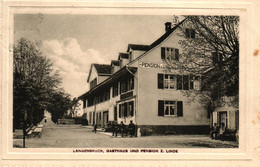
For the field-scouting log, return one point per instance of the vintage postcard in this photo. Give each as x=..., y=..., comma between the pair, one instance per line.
x=102, y=83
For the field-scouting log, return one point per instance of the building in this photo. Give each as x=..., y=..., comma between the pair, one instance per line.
x=141, y=87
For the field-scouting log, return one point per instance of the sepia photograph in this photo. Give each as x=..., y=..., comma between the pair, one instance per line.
x=135, y=83
x=125, y=81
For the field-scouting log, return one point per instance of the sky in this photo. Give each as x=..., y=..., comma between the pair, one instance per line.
x=74, y=42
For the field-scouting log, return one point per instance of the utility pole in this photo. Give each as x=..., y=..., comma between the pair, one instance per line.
x=24, y=127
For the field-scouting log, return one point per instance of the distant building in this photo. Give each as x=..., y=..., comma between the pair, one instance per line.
x=141, y=87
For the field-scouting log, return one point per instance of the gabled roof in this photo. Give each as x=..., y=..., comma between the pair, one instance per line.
x=123, y=55
x=160, y=40
x=115, y=62
x=137, y=47
x=102, y=69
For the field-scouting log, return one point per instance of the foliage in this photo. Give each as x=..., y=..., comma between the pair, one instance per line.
x=213, y=54
x=35, y=83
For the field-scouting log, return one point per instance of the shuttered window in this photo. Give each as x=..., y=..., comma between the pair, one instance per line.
x=185, y=82
x=168, y=108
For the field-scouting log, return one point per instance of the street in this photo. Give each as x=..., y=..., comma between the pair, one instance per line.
x=77, y=136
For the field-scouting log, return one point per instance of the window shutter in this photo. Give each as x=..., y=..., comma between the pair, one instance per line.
x=162, y=53
x=179, y=109
x=160, y=81
x=120, y=109
x=177, y=54
x=185, y=82
x=132, y=108
x=160, y=108
x=179, y=82
x=125, y=109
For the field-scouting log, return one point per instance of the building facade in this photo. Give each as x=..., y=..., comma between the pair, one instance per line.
x=140, y=86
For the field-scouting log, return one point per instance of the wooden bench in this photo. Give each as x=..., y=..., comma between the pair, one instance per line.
x=37, y=131
x=40, y=126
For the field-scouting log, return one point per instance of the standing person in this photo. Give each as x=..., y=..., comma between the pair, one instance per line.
x=95, y=128
x=131, y=128
x=114, y=128
x=122, y=128
x=214, y=132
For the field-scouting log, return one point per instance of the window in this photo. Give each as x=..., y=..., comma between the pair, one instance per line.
x=115, y=89
x=216, y=57
x=126, y=84
x=169, y=53
x=126, y=109
x=170, y=108
x=169, y=81
x=190, y=33
x=178, y=82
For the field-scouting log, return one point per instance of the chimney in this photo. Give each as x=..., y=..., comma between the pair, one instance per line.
x=168, y=26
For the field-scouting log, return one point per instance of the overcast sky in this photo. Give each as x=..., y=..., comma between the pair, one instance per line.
x=73, y=42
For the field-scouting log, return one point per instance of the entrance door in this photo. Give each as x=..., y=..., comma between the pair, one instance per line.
x=222, y=118
x=115, y=113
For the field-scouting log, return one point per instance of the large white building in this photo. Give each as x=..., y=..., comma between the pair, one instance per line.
x=140, y=86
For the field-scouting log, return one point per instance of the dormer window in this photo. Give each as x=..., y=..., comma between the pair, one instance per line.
x=190, y=33
x=169, y=53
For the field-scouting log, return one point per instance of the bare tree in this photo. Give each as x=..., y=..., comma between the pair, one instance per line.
x=210, y=48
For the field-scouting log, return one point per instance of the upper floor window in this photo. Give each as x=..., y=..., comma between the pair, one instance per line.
x=216, y=57
x=190, y=33
x=178, y=82
x=115, y=89
x=169, y=53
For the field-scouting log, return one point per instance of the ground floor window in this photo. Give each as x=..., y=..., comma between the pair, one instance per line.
x=170, y=108
x=126, y=109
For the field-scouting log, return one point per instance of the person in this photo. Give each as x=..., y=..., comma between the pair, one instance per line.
x=214, y=132
x=122, y=128
x=95, y=128
x=221, y=131
x=131, y=128
x=114, y=128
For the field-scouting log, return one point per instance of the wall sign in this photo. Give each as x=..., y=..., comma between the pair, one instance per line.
x=154, y=65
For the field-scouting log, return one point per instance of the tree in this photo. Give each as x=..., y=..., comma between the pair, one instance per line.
x=74, y=105
x=210, y=48
x=60, y=103
x=34, y=81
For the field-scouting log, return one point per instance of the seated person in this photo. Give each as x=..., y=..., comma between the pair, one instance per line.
x=221, y=131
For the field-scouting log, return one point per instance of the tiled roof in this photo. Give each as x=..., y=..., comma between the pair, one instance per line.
x=160, y=40
x=138, y=47
x=115, y=62
x=123, y=55
x=103, y=68
x=164, y=36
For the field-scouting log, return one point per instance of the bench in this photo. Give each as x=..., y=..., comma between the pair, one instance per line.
x=37, y=131
x=28, y=131
x=40, y=126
